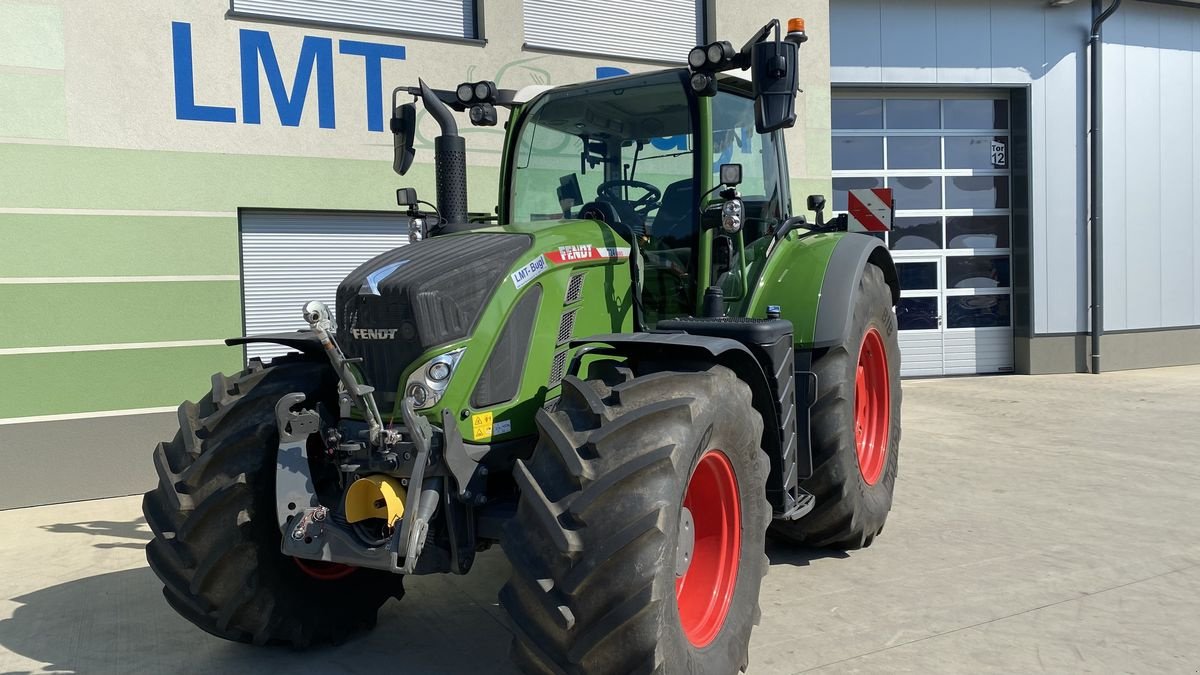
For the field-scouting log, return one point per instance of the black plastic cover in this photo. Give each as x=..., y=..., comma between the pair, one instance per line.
x=771, y=342
x=433, y=295
x=501, y=378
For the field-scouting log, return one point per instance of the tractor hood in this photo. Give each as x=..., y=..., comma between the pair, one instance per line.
x=398, y=305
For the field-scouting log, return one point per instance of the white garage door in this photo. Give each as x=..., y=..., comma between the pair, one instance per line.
x=289, y=258
x=946, y=157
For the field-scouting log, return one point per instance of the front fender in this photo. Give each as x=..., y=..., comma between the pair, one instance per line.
x=302, y=340
x=845, y=268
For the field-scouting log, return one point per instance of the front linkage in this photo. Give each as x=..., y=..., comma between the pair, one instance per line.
x=410, y=466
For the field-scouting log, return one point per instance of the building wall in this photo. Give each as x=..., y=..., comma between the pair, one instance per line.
x=1152, y=167
x=1152, y=137
x=127, y=147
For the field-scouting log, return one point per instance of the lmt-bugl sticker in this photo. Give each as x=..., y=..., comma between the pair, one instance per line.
x=529, y=272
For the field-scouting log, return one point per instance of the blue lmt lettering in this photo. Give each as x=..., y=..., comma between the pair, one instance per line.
x=259, y=60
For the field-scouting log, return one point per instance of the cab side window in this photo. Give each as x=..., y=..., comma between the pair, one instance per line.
x=736, y=142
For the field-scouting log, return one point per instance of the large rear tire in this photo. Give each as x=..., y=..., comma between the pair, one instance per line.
x=596, y=546
x=855, y=428
x=216, y=539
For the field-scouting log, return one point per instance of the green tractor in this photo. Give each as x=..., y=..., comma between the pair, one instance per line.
x=644, y=364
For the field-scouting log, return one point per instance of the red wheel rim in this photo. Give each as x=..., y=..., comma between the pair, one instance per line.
x=325, y=571
x=705, y=591
x=872, y=407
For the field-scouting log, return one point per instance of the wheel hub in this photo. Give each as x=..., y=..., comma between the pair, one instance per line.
x=706, y=580
x=687, y=542
x=325, y=571
x=872, y=407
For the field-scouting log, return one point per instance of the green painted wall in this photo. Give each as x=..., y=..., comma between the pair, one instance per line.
x=172, y=243
x=42, y=384
x=50, y=176
x=37, y=245
x=84, y=314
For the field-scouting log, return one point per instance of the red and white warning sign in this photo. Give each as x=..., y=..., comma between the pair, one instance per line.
x=870, y=210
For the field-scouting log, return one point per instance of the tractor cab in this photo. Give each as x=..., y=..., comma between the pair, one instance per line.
x=643, y=154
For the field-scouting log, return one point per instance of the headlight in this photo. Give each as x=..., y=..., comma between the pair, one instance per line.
x=429, y=381
x=731, y=216
x=439, y=371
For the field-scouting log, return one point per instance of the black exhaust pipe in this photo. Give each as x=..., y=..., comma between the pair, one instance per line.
x=450, y=161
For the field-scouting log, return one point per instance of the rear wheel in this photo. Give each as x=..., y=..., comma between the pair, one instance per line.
x=216, y=539
x=855, y=428
x=638, y=543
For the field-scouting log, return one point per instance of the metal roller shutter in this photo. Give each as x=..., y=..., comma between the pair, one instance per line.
x=664, y=30
x=289, y=258
x=454, y=18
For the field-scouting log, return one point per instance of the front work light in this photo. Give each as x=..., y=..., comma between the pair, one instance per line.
x=731, y=216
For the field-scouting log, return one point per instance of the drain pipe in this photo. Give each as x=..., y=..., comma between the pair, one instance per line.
x=1096, y=175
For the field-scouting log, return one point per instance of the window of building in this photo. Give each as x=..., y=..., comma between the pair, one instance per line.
x=446, y=18
x=664, y=30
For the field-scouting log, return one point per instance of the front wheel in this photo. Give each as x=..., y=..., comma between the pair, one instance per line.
x=216, y=538
x=855, y=428
x=638, y=542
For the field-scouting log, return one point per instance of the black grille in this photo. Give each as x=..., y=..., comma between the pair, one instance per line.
x=574, y=289
x=433, y=297
x=557, y=370
x=566, y=327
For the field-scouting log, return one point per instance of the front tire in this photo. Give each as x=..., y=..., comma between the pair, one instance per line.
x=602, y=581
x=855, y=428
x=216, y=539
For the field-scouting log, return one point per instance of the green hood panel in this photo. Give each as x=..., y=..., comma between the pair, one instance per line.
x=566, y=259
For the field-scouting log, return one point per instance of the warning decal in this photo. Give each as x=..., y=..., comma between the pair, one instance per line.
x=870, y=210
x=481, y=426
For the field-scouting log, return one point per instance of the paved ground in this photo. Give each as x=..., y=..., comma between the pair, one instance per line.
x=1040, y=524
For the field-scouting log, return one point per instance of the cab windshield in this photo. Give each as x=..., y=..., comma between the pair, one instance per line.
x=619, y=151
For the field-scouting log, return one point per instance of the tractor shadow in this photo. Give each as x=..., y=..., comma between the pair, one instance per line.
x=118, y=622
x=134, y=530
x=783, y=553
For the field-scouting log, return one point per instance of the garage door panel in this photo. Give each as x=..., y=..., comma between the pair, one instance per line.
x=946, y=156
x=290, y=258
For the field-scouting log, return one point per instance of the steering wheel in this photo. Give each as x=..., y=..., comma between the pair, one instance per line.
x=610, y=191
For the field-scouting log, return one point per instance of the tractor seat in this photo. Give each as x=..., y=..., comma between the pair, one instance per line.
x=674, y=224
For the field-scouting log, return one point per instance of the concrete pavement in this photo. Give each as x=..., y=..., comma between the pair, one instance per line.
x=1047, y=524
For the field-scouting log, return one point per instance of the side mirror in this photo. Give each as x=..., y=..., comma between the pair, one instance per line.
x=816, y=204
x=773, y=67
x=569, y=195
x=404, y=127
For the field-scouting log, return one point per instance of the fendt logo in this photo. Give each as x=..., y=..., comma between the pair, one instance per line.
x=374, y=333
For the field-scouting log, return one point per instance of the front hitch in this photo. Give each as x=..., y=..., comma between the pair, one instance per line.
x=310, y=529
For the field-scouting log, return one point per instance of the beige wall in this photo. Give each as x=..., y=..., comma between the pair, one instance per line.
x=117, y=58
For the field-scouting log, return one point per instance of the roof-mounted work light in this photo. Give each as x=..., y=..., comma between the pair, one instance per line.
x=474, y=93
